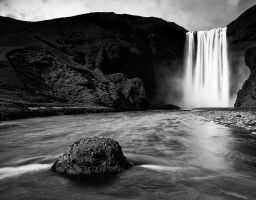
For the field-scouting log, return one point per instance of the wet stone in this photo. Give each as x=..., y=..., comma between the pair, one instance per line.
x=92, y=156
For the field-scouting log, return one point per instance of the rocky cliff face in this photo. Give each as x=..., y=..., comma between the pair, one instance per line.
x=50, y=78
x=242, y=36
x=104, y=59
x=246, y=97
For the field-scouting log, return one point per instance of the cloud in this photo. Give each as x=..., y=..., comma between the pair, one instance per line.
x=191, y=14
x=4, y=3
x=233, y=2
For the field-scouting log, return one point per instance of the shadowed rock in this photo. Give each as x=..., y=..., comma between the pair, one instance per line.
x=92, y=156
x=246, y=97
x=77, y=60
x=241, y=35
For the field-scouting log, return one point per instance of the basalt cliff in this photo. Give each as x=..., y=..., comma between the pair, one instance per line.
x=96, y=61
x=242, y=42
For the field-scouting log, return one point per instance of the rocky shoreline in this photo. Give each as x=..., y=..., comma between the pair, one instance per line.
x=232, y=117
x=20, y=111
x=15, y=109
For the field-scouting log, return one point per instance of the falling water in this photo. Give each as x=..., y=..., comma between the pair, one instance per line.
x=206, y=81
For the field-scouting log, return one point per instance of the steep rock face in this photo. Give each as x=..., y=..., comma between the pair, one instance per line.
x=246, y=97
x=51, y=78
x=241, y=35
x=250, y=58
x=92, y=156
x=77, y=60
x=147, y=48
x=242, y=30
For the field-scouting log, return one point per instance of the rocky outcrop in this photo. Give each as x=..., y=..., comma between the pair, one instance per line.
x=92, y=156
x=99, y=59
x=127, y=92
x=241, y=35
x=246, y=97
x=46, y=76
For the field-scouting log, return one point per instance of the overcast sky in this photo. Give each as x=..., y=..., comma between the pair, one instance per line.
x=191, y=14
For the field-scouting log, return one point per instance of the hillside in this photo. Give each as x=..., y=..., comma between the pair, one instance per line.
x=122, y=62
x=242, y=42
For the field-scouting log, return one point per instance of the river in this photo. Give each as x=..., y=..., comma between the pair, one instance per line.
x=179, y=155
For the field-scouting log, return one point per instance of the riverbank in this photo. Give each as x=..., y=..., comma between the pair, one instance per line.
x=15, y=109
x=11, y=109
x=237, y=118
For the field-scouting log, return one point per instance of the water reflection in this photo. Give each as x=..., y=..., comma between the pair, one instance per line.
x=211, y=146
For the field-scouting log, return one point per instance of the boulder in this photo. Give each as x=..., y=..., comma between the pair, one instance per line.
x=92, y=156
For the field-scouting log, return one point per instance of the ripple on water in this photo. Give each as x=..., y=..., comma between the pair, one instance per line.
x=7, y=172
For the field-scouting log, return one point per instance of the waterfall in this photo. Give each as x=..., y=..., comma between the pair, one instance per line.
x=206, y=80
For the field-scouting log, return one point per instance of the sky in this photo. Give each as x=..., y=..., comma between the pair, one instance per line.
x=191, y=14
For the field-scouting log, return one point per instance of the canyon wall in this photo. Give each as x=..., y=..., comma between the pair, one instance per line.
x=242, y=37
x=102, y=59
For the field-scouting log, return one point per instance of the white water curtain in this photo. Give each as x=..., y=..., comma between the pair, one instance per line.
x=206, y=80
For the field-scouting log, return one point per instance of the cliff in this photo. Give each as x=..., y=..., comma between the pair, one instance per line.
x=96, y=59
x=246, y=97
x=242, y=37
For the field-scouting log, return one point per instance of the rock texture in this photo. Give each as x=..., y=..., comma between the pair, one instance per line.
x=92, y=156
x=98, y=59
x=242, y=30
x=237, y=118
x=49, y=77
x=246, y=97
x=241, y=37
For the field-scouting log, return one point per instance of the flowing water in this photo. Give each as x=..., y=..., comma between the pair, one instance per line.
x=206, y=80
x=179, y=155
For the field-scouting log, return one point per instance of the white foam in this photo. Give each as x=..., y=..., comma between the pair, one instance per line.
x=236, y=195
x=161, y=168
x=7, y=172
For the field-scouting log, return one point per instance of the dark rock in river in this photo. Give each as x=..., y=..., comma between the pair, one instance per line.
x=92, y=156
